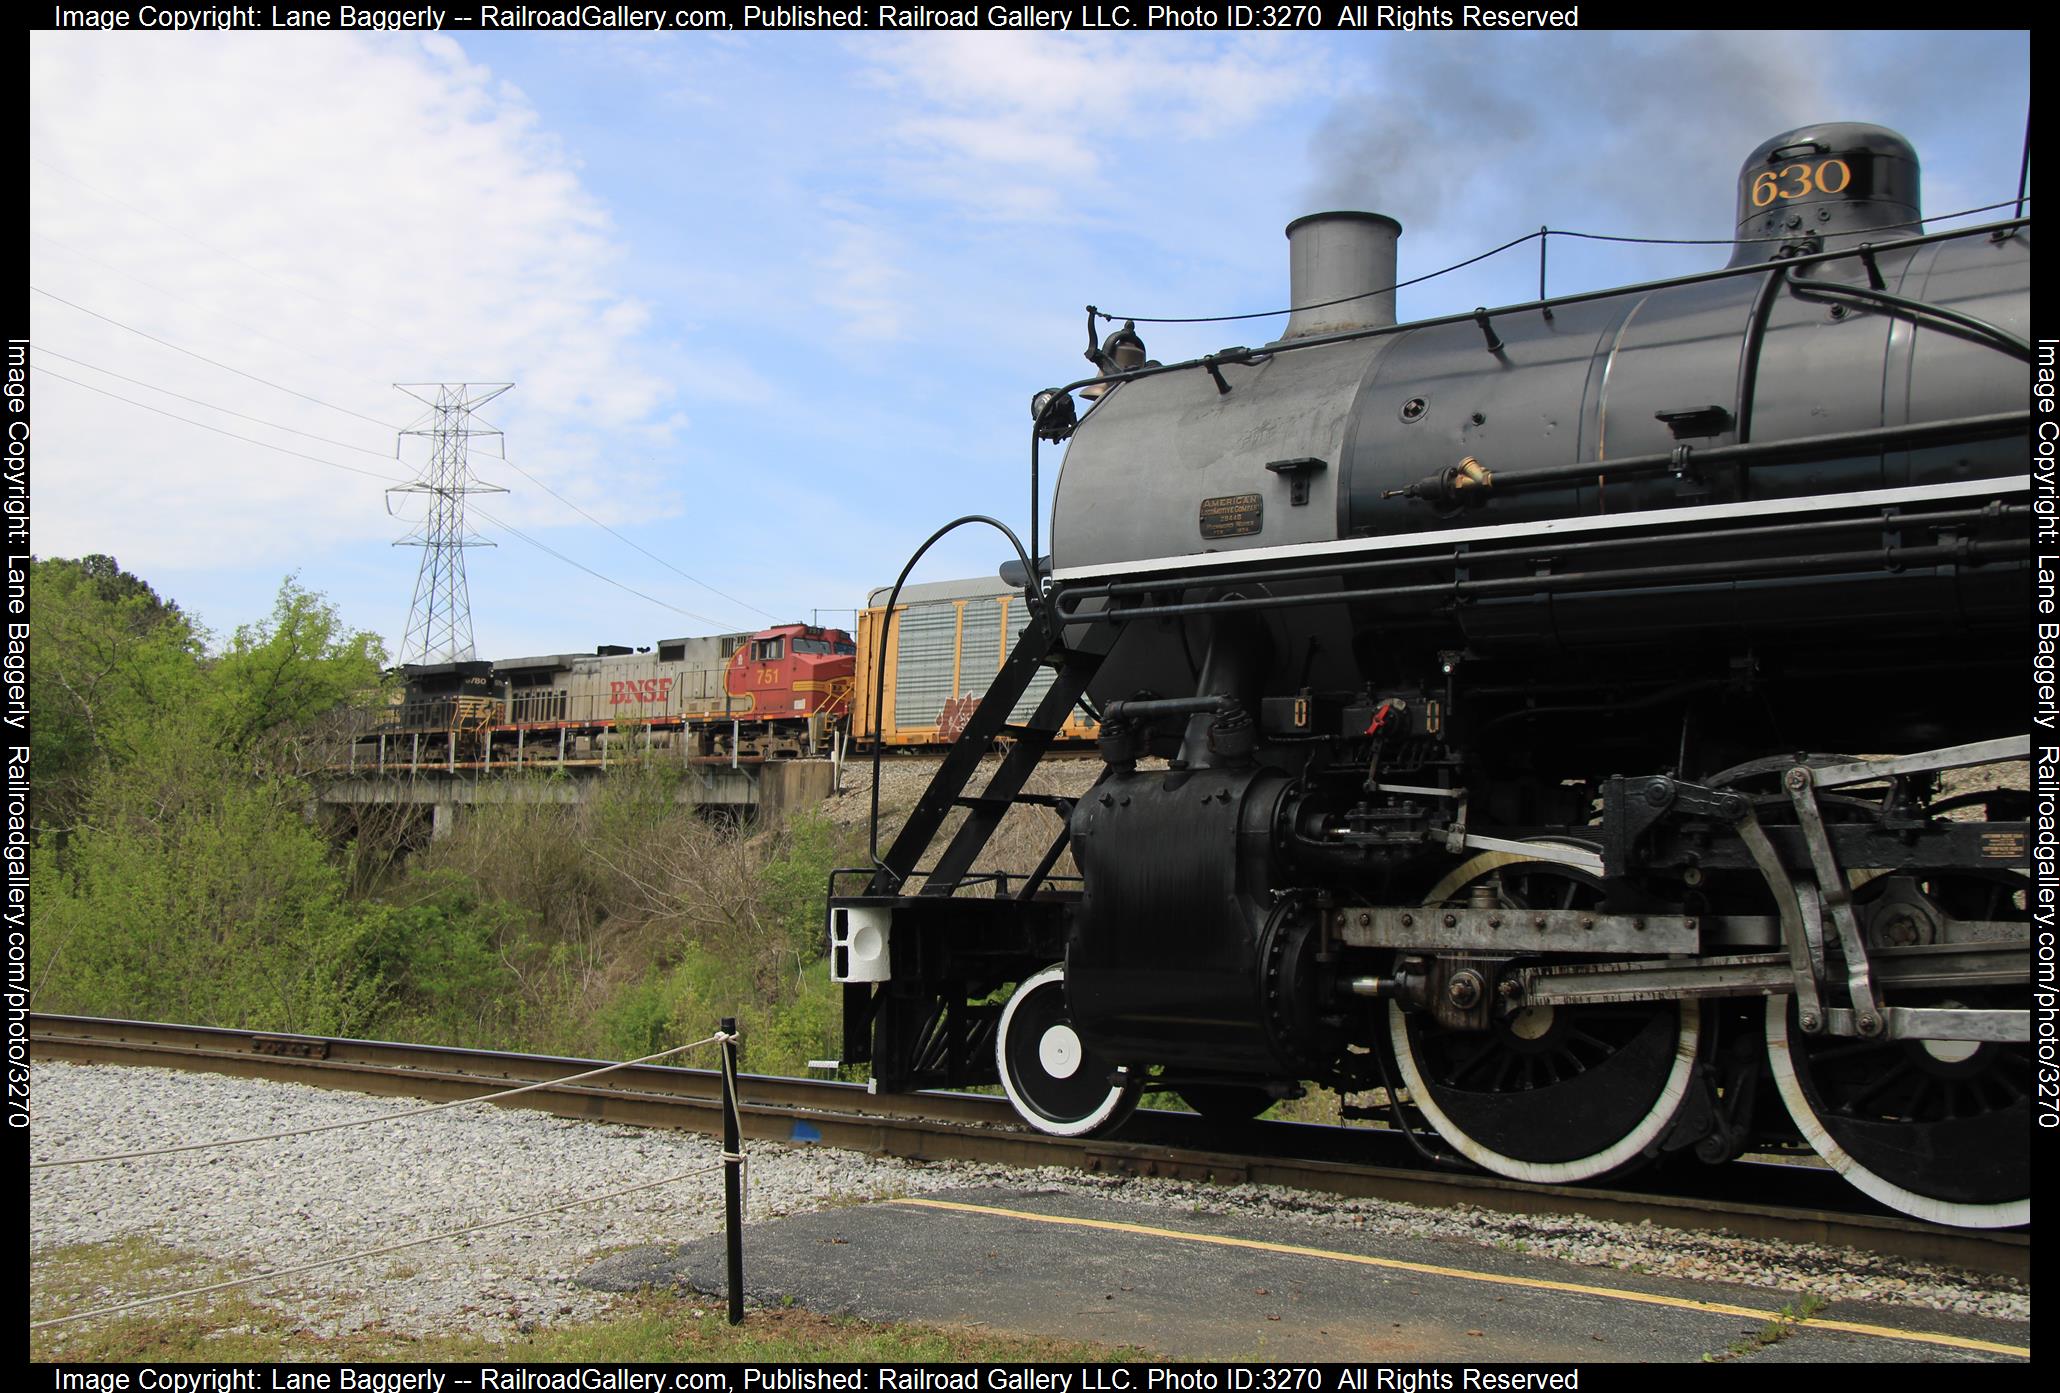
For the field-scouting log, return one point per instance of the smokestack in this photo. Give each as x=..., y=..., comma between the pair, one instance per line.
x=1334, y=256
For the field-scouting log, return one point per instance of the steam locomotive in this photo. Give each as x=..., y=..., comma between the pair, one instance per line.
x=1588, y=727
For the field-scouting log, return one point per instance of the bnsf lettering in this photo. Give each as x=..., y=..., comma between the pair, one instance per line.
x=647, y=690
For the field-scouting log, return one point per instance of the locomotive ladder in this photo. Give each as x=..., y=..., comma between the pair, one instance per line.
x=1004, y=790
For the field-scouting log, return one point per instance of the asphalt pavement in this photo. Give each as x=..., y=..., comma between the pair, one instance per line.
x=1189, y=1286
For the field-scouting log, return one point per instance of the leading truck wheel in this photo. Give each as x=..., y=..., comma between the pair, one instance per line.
x=1058, y=1085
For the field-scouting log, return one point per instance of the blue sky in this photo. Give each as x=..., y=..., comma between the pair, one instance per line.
x=775, y=304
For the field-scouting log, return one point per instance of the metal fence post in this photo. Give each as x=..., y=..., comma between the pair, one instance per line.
x=732, y=1169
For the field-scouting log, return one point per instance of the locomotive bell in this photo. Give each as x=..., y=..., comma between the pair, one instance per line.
x=1823, y=182
x=1121, y=351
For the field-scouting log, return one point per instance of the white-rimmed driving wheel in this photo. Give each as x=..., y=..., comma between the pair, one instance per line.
x=1058, y=1084
x=1933, y=1128
x=1551, y=1094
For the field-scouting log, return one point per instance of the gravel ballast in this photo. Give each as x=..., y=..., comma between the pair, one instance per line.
x=299, y=1200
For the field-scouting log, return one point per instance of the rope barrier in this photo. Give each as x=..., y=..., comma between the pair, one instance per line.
x=737, y=1157
x=718, y=1038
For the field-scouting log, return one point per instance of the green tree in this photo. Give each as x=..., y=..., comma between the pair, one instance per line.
x=109, y=652
x=184, y=880
x=190, y=891
x=274, y=677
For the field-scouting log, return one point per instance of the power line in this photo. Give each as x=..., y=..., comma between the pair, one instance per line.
x=696, y=580
x=108, y=319
x=72, y=249
x=146, y=406
x=256, y=420
x=393, y=479
x=345, y=445
x=225, y=254
x=652, y=599
x=619, y=537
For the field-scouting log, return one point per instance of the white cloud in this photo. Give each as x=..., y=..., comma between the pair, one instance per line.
x=1012, y=131
x=1039, y=109
x=862, y=280
x=335, y=214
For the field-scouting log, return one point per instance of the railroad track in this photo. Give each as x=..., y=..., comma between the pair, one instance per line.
x=1358, y=1162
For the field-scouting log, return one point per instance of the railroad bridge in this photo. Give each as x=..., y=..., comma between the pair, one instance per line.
x=439, y=790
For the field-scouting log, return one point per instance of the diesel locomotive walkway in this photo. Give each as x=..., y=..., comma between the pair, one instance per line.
x=1212, y=1286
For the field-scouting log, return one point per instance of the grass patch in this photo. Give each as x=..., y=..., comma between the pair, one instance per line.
x=1774, y=1331
x=91, y=1276
x=648, y=1327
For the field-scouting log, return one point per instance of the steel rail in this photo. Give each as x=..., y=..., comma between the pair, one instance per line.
x=978, y=1127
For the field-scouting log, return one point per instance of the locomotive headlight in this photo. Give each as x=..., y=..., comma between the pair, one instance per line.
x=1052, y=410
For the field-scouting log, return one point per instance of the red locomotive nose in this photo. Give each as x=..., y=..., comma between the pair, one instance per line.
x=793, y=670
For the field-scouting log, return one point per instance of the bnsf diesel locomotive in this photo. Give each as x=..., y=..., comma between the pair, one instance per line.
x=1592, y=726
x=780, y=692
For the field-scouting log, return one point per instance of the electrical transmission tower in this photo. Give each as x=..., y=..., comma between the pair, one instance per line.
x=440, y=617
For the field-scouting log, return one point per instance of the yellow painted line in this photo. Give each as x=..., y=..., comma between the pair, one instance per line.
x=1499, y=1279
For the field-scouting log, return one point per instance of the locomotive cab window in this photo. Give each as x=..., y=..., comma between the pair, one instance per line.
x=768, y=650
